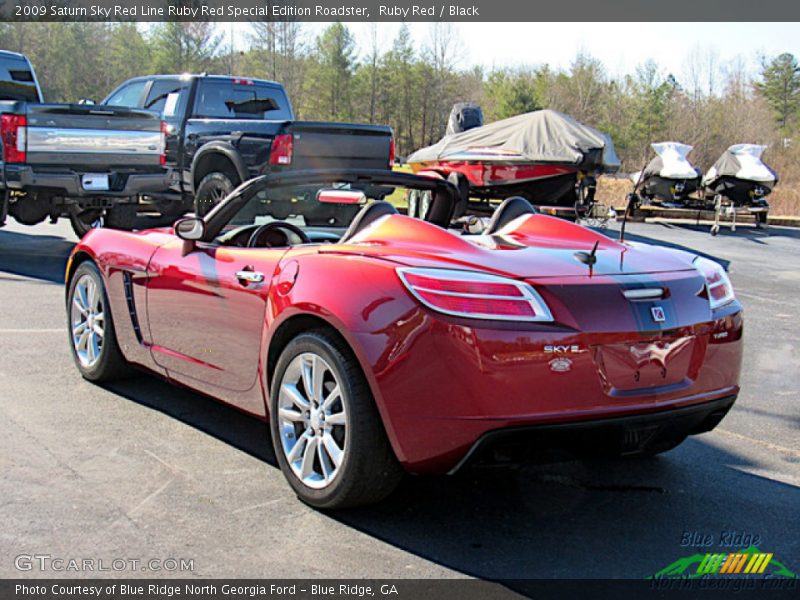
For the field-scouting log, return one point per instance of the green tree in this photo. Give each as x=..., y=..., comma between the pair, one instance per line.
x=183, y=46
x=780, y=85
x=332, y=72
x=650, y=99
x=511, y=92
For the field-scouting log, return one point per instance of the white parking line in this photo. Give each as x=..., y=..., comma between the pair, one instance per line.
x=769, y=445
x=59, y=330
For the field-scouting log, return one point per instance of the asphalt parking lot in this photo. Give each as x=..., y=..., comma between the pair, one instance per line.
x=142, y=470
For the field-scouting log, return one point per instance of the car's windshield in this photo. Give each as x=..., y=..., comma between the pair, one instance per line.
x=327, y=206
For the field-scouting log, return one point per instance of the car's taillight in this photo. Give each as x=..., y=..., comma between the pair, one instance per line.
x=475, y=295
x=718, y=286
x=164, y=131
x=282, y=148
x=391, y=152
x=14, y=132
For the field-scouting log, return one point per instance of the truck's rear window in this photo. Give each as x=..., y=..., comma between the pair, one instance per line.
x=17, y=82
x=229, y=100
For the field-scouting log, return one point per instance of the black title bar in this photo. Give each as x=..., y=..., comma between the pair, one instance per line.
x=401, y=10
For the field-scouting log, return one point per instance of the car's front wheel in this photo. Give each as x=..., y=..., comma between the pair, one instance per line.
x=326, y=430
x=91, y=327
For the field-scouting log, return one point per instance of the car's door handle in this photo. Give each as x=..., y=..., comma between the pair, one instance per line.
x=246, y=277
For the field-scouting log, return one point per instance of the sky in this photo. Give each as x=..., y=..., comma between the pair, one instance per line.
x=620, y=46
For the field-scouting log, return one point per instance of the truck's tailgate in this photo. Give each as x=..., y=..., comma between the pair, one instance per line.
x=322, y=145
x=77, y=135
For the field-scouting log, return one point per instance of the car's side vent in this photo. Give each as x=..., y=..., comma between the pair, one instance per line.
x=127, y=279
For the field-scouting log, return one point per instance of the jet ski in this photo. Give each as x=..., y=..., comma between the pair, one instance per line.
x=739, y=180
x=669, y=179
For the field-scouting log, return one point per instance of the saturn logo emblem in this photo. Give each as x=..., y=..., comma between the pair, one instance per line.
x=560, y=365
x=658, y=314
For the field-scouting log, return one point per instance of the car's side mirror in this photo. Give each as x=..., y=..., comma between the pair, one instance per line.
x=190, y=229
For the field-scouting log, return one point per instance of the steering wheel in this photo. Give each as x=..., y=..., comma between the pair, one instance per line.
x=260, y=232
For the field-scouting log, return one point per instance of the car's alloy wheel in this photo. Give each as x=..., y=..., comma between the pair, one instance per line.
x=88, y=320
x=92, y=337
x=328, y=437
x=312, y=420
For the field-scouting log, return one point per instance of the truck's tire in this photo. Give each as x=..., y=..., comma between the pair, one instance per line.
x=84, y=220
x=330, y=443
x=211, y=189
x=121, y=216
x=462, y=183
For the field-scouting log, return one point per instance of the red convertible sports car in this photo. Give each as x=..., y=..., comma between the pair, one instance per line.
x=376, y=343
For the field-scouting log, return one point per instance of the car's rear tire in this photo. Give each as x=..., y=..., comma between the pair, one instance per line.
x=211, y=190
x=92, y=338
x=330, y=442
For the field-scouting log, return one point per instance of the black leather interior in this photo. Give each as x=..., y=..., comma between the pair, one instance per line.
x=366, y=216
x=441, y=210
x=510, y=209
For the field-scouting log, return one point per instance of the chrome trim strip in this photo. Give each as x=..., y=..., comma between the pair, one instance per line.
x=93, y=141
x=644, y=293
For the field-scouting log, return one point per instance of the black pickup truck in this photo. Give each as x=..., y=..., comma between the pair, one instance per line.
x=224, y=130
x=90, y=163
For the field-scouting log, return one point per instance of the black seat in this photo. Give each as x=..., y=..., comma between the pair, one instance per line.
x=443, y=205
x=366, y=216
x=510, y=209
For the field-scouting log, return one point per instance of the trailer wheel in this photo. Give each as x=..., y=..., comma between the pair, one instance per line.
x=461, y=182
x=413, y=203
x=425, y=198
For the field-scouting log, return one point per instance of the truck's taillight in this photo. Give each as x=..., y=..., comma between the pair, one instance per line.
x=164, y=131
x=392, y=154
x=475, y=295
x=14, y=132
x=718, y=286
x=282, y=148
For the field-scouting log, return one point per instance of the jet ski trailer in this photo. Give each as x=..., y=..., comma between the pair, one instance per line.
x=547, y=157
x=669, y=179
x=740, y=181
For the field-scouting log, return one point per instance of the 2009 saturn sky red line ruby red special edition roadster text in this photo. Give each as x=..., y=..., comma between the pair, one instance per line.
x=376, y=343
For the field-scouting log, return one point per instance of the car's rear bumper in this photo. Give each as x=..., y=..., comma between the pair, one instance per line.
x=442, y=385
x=618, y=436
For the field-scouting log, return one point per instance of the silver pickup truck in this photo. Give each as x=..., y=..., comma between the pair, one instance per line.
x=87, y=162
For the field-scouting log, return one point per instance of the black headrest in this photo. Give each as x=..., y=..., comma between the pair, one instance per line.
x=442, y=207
x=368, y=215
x=510, y=209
